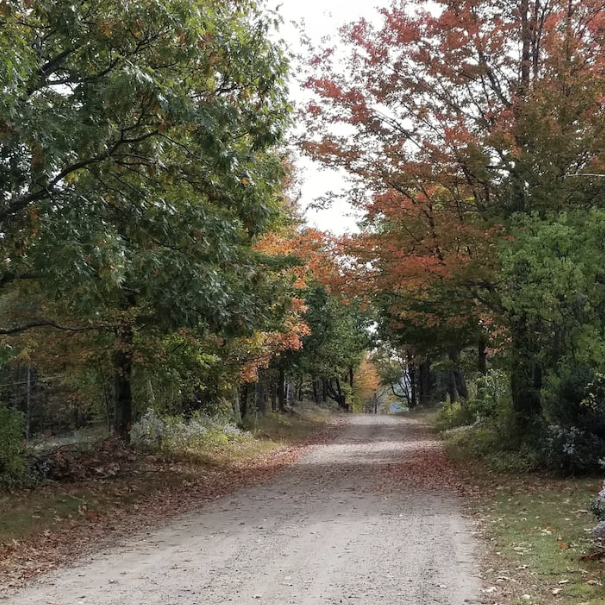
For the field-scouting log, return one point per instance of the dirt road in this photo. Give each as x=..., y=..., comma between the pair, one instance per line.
x=345, y=524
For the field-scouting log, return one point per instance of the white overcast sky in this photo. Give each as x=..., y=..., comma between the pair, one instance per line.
x=322, y=18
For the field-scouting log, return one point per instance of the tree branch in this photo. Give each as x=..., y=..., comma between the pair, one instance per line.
x=20, y=202
x=49, y=323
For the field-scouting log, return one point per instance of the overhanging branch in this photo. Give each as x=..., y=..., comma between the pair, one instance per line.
x=49, y=323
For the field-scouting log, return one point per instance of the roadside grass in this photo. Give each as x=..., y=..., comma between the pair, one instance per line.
x=535, y=529
x=263, y=435
x=288, y=427
x=538, y=541
x=52, y=507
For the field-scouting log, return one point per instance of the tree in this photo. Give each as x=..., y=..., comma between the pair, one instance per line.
x=459, y=117
x=555, y=271
x=138, y=165
x=333, y=350
x=397, y=372
x=367, y=395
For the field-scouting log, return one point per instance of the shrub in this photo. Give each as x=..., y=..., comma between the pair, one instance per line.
x=493, y=394
x=492, y=401
x=572, y=450
x=478, y=440
x=575, y=396
x=574, y=404
x=12, y=450
x=525, y=460
x=173, y=433
x=454, y=415
x=597, y=508
x=497, y=441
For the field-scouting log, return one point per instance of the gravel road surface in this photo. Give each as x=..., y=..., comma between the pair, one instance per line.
x=334, y=527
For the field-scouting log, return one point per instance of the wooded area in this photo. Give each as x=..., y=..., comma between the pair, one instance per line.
x=151, y=256
x=154, y=258
x=473, y=132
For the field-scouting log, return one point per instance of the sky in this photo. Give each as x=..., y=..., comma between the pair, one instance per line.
x=321, y=18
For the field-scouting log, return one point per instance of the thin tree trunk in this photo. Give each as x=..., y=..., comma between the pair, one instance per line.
x=281, y=390
x=425, y=382
x=481, y=367
x=28, y=400
x=237, y=406
x=315, y=391
x=482, y=356
x=243, y=401
x=260, y=397
x=123, y=378
x=336, y=393
x=456, y=374
x=451, y=387
x=412, y=377
x=274, y=404
x=461, y=385
x=342, y=398
x=526, y=39
x=526, y=374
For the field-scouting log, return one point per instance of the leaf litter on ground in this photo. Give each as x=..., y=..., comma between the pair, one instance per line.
x=104, y=511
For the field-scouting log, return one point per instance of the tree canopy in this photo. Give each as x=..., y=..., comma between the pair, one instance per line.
x=472, y=132
x=151, y=250
x=140, y=164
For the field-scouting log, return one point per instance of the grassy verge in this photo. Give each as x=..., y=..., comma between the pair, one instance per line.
x=34, y=522
x=537, y=547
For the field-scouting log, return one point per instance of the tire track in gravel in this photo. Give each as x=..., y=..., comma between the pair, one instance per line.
x=352, y=521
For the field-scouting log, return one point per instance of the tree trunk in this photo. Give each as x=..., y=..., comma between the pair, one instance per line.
x=425, y=382
x=337, y=394
x=28, y=405
x=260, y=397
x=315, y=391
x=461, y=385
x=412, y=377
x=243, y=401
x=451, y=387
x=456, y=375
x=525, y=47
x=123, y=377
x=324, y=390
x=274, y=405
x=342, y=402
x=481, y=367
x=482, y=356
x=351, y=376
x=237, y=406
x=526, y=374
x=281, y=390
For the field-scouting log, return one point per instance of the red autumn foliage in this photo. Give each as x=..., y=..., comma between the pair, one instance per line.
x=443, y=113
